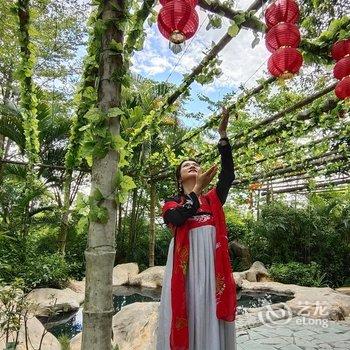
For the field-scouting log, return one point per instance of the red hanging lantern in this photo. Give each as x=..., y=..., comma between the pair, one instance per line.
x=342, y=68
x=177, y=21
x=282, y=11
x=285, y=62
x=281, y=35
x=342, y=90
x=341, y=49
x=193, y=3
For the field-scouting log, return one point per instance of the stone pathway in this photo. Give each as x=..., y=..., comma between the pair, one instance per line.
x=296, y=333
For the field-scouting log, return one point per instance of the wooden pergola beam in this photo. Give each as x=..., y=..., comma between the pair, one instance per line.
x=300, y=104
x=41, y=165
x=327, y=105
x=283, y=153
x=306, y=186
x=324, y=190
x=222, y=10
x=215, y=117
x=321, y=170
x=330, y=157
x=298, y=177
x=287, y=186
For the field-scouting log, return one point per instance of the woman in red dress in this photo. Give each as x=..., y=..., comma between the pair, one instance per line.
x=198, y=301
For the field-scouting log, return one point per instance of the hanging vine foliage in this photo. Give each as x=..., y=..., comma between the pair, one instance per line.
x=25, y=77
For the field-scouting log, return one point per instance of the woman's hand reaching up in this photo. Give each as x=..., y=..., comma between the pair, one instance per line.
x=223, y=124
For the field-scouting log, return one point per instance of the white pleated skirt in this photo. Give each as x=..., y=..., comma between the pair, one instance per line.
x=206, y=332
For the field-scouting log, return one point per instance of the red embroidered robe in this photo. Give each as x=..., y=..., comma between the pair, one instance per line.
x=226, y=301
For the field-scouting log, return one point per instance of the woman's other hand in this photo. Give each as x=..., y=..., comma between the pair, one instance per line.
x=204, y=179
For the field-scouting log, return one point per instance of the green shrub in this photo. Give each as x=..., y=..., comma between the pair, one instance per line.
x=298, y=273
x=163, y=238
x=318, y=232
x=347, y=282
x=75, y=254
x=236, y=230
x=45, y=271
x=140, y=248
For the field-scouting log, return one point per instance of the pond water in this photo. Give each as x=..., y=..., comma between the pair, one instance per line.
x=70, y=324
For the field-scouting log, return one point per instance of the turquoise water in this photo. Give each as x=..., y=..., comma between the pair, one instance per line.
x=70, y=324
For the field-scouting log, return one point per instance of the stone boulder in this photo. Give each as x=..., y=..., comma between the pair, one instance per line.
x=122, y=273
x=35, y=330
x=75, y=342
x=345, y=290
x=321, y=303
x=134, y=326
x=256, y=272
x=238, y=279
x=265, y=279
x=325, y=303
x=240, y=250
x=150, y=278
x=57, y=300
x=79, y=288
x=274, y=287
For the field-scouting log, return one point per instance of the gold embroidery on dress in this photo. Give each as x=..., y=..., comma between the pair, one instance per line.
x=183, y=260
x=220, y=284
x=180, y=323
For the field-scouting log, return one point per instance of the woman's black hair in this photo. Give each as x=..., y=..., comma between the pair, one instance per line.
x=180, y=189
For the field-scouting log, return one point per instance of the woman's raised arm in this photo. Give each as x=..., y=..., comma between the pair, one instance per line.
x=227, y=172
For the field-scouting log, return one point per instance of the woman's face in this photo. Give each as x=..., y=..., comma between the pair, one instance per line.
x=189, y=169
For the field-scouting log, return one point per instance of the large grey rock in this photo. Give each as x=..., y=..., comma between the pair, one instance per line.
x=242, y=251
x=122, y=273
x=134, y=326
x=237, y=276
x=345, y=290
x=151, y=277
x=57, y=300
x=35, y=330
x=314, y=302
x=75, y=342
x=256, y=272
x=79, y=288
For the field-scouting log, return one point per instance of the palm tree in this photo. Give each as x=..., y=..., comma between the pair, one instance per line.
x=140, y=99
x=45, y=194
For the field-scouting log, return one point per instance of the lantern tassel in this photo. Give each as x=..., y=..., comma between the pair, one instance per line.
x=176, y=48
